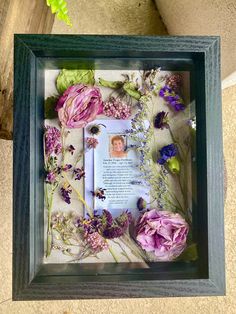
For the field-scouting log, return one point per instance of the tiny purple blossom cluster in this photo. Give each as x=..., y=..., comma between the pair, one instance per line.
x=66, y=190
x=50, y=177
x=52, y=141
x=79, y=173
x=91, y=142
x=173, y=99
x=115, y=107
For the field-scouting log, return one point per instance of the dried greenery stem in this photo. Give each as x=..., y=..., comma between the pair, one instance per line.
x=113, y=253
x=123, y=250
x=90, y=211
x=49, y=200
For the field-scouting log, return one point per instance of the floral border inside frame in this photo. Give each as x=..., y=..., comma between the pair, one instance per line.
x=162, y=228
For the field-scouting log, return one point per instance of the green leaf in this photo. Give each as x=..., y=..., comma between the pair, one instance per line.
x=189, y=254
x=67, y=78
x=111, y=84
x=130, y=89
x=49, y=108
x=59, y=7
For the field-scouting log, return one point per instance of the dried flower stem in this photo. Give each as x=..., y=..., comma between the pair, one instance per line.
x=90, y=211
x=49, y=200
x=63, y=145
x=113, y=254
x=123, y=250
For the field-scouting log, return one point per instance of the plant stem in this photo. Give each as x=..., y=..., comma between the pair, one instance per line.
x=90, y=211
x=123, y=251
x=49, y=227
x=113, y=254
x=63, y=145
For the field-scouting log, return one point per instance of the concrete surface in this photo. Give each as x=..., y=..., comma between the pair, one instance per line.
x=204, y=17
x=112, y=17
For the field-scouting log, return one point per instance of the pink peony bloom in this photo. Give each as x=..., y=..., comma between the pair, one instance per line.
x=79, y=105
x=163, y=233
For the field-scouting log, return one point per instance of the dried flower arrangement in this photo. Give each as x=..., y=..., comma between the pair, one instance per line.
x=163, y=229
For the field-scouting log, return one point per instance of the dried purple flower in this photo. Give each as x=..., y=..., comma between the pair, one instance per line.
x=119, y=227
x=168, y=155
x=161, y=120
x=50, y=177
x=113, y=232
x=71, y=149
x=174, y=100
x=141, y=204
x=79, y=173
x=66, y=168
x=66, y=190
x=99, y=193
x=124, y=220
x=167, y=152
x=52, y=141
x=91, y=142
x=108, y=217
x=115, y=107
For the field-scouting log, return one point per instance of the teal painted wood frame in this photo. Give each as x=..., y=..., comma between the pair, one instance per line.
x=33, y=280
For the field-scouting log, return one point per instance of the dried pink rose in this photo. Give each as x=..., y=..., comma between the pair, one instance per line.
x=163, y=233
x=79, y=105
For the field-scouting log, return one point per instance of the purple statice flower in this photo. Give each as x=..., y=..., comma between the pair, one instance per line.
x=50, y=177
x=161, y=120
x=115, y=107
x=113, y=232
x=174, y=100
x=79, y=173
x=71, y=149
x=91, y=142
x=66, y=190
x=166, y=153
x=97, y=242
x=52, y=141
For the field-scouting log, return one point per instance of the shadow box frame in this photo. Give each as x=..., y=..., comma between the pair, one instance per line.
x=33, y=280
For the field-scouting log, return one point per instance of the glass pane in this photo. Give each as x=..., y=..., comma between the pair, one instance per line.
x=119, y=166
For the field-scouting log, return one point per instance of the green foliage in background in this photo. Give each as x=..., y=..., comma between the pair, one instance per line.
x=59, y=7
